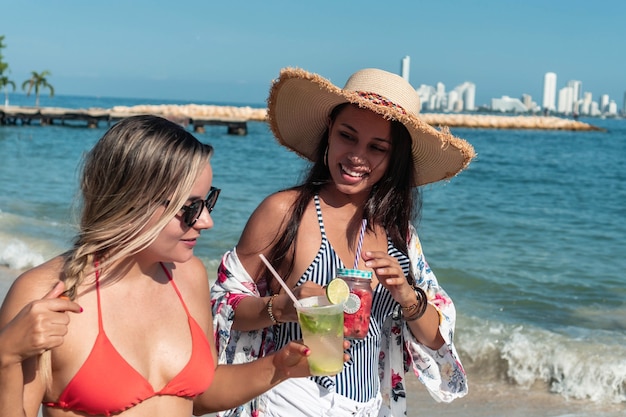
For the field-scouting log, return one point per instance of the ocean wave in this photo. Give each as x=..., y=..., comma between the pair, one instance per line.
x=26, y=242
x=16, y=254
x=586, y=367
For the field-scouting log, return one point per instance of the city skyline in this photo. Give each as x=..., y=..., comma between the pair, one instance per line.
x=571, y=99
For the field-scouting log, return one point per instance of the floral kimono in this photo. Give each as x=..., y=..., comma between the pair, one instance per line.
x=439, y=370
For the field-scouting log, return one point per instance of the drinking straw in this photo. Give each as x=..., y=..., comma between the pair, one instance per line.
x=280, y=280
x=360, y=244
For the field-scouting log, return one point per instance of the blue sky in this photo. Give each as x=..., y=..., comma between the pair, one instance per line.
x=228, y=51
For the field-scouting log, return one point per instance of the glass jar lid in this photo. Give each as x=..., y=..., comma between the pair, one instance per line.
x=354, y=273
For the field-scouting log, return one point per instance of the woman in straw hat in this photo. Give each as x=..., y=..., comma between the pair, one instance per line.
x=369, y=153
x=137, y=338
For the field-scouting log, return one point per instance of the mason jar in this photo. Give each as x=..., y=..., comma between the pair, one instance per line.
x=357, y=309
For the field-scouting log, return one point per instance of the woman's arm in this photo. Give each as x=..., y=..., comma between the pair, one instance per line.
x=234, y=385
x=425, y=328
x=260, y=234
x=236, y=291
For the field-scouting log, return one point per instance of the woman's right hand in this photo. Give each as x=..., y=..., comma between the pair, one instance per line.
x=39, y=326
x=308, y=289
x=284, y=304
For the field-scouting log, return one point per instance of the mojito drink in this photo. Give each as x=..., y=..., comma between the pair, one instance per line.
x=322, y=330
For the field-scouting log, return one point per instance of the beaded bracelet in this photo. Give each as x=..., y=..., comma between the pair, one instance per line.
x=269, y=310
x=417, y=310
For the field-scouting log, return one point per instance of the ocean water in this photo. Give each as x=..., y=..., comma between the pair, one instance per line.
x=530, y=241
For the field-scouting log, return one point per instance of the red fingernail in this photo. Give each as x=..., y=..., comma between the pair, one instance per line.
x=307, y=351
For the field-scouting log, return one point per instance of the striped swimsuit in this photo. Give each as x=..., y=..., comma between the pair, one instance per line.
x=363, y=364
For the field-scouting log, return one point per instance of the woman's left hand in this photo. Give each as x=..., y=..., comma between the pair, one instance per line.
x=291, y=361
x=390, y=275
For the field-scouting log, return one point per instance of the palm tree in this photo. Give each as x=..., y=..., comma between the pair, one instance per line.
x=4, y=80
x=36, y=81
x=4, y=84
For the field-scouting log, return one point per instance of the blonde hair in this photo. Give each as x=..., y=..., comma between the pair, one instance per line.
x=140, y=163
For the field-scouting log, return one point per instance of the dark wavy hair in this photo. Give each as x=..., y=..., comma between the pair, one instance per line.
x=393, y=202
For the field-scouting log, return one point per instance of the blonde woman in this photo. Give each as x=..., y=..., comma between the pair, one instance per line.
x=142, y=344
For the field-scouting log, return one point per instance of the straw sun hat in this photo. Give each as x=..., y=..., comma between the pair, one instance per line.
x=300, y=102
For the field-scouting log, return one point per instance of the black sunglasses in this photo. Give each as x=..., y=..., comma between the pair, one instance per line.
x=192, y=212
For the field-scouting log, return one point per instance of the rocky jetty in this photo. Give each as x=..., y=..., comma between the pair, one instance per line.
x=208, y=114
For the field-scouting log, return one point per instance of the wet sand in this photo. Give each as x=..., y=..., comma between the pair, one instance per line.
x=485, y=400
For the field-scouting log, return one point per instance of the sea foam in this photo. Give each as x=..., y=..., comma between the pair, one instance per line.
x=16, y=254
x=590, y=368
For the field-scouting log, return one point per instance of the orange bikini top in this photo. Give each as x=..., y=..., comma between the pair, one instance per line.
x=106, y=384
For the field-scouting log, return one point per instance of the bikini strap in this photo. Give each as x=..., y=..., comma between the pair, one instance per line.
x=180, y=297
x=97, y=272
x=320, y=220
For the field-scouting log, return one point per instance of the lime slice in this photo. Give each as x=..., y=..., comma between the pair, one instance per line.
x=337, y=291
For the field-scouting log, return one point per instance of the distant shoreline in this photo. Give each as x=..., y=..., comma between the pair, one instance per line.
x=485, y=121
x=181, y=113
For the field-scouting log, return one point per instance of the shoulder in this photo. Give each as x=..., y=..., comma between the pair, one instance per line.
x=269, y=218
x=31, y=285
x=263, y=229
x=39, y=280
x=192, y=273
x=279, y=203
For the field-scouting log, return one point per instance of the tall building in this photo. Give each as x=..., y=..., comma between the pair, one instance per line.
x=577, y=88
x=406, y=66
x=587, y=104
x=425, y=92
x=611, y=108
x=468, y=95
x=566, y=100
x=604, y=103
x=527, y=100
x=508, y=104
x=439, y=100
x=453, y=100
x=549, y=91
x=461, y=98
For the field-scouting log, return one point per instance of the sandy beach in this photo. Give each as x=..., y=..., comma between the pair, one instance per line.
x=485, y=399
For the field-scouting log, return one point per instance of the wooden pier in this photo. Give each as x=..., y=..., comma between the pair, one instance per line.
x=92, y=118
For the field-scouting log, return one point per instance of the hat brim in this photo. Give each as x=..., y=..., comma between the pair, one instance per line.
x=299, y=105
